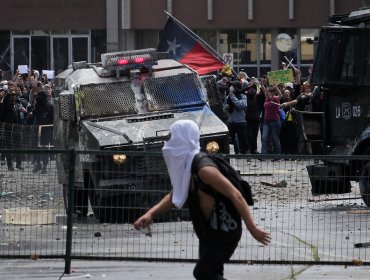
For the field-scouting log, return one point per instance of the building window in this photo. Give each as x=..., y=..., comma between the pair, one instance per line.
x=309, y=38
x=228, y=43
x=5, y=51
x=264, y=54
x=209, y=36
x=98, y=44
x=248, y=54
x=147, y=39
x=290, y=56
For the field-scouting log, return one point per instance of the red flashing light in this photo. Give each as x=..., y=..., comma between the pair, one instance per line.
x=122, y=62
x=139, y=59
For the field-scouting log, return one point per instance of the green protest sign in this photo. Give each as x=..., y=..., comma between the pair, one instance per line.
x=280, y=76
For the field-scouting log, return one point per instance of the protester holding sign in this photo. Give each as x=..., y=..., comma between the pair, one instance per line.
x=280, y=76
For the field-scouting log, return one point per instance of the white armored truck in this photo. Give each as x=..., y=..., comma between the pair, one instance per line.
x=125, y=105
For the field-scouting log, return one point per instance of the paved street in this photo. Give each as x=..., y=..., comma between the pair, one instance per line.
x=301, y=230
x=112, y=270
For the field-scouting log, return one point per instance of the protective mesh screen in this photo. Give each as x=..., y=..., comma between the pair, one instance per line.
x=173, y=92
x=97, y=100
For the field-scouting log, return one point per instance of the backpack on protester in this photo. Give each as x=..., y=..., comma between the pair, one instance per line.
x=229, y=172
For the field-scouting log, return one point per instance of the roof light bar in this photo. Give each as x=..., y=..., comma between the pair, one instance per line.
x=129, y=59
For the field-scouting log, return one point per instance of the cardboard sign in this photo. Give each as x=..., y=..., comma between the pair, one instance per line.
x=23, y=69
x=280, y=76
x=49, y=74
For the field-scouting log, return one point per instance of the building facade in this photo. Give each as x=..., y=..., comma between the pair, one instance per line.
x=256, y=35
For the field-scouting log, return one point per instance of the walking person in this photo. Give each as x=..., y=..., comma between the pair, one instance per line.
x=204, y=196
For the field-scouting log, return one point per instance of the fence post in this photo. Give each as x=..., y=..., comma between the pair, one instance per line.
x=71, y=183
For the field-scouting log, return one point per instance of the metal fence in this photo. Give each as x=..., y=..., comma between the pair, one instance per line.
x=305, y=228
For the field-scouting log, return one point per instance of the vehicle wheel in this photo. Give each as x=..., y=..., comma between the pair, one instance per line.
x=80, y=202
x=364, y=184
x=116, y=207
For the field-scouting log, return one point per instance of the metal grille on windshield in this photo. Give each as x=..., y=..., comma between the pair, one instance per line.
x=98, y=100
x=182, y=90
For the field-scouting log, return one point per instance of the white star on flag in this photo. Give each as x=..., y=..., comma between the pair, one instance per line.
x=172, y=46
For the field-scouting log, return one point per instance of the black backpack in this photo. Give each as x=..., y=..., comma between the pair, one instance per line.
x=229, y=172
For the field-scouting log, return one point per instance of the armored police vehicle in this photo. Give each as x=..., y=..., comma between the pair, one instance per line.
x=123, y=107
x=342, y=70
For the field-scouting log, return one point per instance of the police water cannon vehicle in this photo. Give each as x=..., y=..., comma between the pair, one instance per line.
x=125, y=106
x=342, y=70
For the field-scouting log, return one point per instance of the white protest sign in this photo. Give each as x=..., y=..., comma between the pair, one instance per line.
x=23, y=69
x=49, y=74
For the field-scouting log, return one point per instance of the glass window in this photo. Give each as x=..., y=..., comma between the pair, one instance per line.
x=21, y=32
x=209, y=36
x=248, y=40
x=229, y=44
x=40, y=52
x=344, y=50
x=80, y=32
x=292, y=54
x=248, y=55
x=147, y=39
x=98, y=44
x=5, y=50
x=264, y=70
x=265, y=47
x=80, y=49
x=39, y=32
x=21, y=51
x=59, y=32
x=60, y=51
x=308, y=37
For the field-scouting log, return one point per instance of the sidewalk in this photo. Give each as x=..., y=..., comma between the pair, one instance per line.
x=109, y=270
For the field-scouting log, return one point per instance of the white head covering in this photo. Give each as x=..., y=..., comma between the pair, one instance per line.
x=178, y=153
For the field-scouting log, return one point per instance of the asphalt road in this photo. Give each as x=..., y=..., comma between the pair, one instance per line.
x=112, y=270
x=301, y=230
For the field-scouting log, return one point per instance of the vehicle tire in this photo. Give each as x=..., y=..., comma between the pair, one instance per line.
x=364, y=184
x=80, y=201
x=119, y=206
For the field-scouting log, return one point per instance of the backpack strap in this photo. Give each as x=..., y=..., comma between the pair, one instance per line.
x=198, y=183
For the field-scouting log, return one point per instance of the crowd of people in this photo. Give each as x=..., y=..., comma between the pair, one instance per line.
x=254, y=107
x=27, y=99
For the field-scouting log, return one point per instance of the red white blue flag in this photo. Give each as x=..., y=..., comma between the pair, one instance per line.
x=182, y=46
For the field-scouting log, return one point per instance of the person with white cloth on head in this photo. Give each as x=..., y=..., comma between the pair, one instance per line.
x=216, y=207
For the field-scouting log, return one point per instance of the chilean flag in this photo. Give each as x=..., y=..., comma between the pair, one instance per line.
x=183, y=47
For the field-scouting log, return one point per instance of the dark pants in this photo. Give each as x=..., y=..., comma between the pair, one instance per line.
x=46, y=139
x=289, y=138
x=253, y=128
x=12, y=141
x=213, y=253
x=239, y=130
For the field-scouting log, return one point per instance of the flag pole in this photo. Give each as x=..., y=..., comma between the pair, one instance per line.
x=200, y=39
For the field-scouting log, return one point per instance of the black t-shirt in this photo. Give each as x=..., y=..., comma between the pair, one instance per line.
x=225, y=219
x=303, y=101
